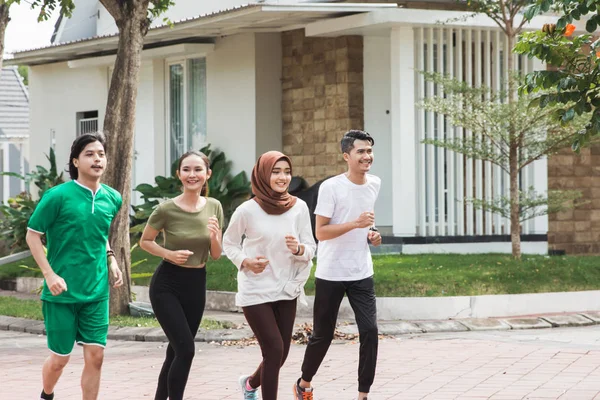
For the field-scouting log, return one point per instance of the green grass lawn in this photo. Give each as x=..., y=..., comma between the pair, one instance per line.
x=418, y=275
x=32, y=309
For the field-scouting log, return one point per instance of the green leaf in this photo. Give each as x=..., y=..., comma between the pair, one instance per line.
x=535, y=102
x=545, y=6
x=591, y=25
x=569, y=115
x=531, y=12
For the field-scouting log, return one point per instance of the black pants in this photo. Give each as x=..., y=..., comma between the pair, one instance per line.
x=178, y=296
x=273, y=325
x=328, y=296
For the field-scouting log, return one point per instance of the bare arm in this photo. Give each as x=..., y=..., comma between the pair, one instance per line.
x=148, y=243
x=216, y=237
x=114, y=267
x=34, y=241
x=326, y=231
x=55, y=283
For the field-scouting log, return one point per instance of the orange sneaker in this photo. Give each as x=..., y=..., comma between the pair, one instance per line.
x=302, y=393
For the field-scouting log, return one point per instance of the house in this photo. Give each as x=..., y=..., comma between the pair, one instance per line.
x=293, y=76
x=14, y=131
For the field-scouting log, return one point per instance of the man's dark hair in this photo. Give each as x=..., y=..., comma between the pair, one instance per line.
x=78, y=146
x=352, y=135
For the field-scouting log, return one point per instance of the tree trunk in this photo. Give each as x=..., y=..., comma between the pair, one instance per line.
x=119, y=127
x=4, y=19
x=515, y=224
x=514, y=144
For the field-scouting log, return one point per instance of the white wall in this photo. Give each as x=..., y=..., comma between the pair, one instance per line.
x=377, y=101
x=82, y=23
x=268, y=92
x=160, y=135
x=144, y=167
x=231, y=92
x=56, y=94
x=105, y=24
x=242, y=71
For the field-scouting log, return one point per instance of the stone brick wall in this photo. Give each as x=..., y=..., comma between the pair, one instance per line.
x=576, y=231
x=322, y=87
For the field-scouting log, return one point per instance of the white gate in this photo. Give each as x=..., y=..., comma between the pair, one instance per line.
x=445, y=178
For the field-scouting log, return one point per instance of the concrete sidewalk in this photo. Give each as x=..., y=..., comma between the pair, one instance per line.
x=559, y=363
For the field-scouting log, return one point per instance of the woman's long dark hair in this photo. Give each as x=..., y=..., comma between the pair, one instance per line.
x=204, y=191
x=78, y=146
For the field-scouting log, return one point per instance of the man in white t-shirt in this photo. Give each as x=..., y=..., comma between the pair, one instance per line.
x=344, y=227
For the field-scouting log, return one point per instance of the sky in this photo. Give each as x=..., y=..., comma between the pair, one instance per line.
x=24, y=32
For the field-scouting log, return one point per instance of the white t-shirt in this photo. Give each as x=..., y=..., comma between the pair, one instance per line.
x=264, y=235
x=347, y=257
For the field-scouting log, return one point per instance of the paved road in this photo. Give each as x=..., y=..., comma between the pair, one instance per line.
x=550, y=363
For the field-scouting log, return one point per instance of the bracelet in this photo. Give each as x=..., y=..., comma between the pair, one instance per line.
x=110, y=253
x=297, y=251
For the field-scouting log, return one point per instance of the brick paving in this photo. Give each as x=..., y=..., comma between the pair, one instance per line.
x=536, y=364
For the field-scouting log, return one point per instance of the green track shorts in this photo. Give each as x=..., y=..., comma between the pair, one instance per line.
x=67, y=323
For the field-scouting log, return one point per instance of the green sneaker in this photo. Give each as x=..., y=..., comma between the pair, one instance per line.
x=248, y=394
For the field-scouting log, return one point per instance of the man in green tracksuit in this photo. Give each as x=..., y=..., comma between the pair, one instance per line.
x=76, y=217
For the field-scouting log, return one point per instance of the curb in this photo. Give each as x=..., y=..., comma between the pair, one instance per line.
x=406, y=308
x=132, y=334
x=387, y=328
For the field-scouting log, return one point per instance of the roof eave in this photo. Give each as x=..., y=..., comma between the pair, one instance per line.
x=93, y=46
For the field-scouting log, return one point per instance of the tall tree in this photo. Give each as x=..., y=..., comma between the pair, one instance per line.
x=490, y=118
x=133, y=19
x=507, y=14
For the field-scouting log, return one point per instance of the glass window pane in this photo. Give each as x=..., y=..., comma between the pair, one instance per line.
x=196, y=103
x=176, y=128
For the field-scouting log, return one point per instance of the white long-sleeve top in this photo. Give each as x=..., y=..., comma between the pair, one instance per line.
x=264, y=235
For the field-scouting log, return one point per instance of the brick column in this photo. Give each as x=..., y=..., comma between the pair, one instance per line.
x=576, y=231
x=322, y=98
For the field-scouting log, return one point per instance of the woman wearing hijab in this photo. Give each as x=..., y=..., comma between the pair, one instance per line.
x=270, y=241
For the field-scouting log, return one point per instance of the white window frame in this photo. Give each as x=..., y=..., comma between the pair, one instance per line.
x=183, y=61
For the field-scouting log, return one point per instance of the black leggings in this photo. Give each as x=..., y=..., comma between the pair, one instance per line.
x=273, y=325
x=178, y=296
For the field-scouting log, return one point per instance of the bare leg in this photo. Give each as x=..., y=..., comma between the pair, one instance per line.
x=90, y=378
x=52, y=370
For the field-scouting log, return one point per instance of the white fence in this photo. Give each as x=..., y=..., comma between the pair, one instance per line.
x=446, y=178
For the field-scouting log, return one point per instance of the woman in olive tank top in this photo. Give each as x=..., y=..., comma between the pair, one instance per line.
x=191, y=224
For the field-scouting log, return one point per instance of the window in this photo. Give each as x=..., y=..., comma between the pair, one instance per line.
x=87, y=122
x=186, y=106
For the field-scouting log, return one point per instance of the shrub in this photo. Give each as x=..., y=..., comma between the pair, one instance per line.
x=15, y=214
x=230, y=190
